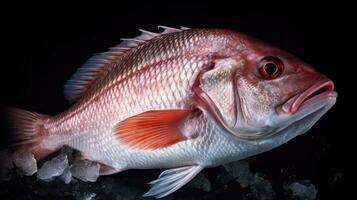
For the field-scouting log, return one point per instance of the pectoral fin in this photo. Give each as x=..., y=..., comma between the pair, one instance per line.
x=171, y=180
x=152, y=129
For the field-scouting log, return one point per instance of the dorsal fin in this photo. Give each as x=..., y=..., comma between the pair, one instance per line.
x=101, y=63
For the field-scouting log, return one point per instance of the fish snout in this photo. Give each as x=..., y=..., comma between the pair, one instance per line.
x=321, y=89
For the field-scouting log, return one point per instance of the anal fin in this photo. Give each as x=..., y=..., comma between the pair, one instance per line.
x=171, y=180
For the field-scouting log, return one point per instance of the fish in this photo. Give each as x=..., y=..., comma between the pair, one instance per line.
x=181, y=99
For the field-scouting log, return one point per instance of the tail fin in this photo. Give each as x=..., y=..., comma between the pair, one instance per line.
x=29, y=130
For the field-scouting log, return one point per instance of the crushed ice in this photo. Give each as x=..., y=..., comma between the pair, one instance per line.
x=301, y=189
x=260, y=187
x=67, y=167
x=84, y=196
x=238, y=171
x=200, y=182
x=63, y=166
x=53, y=168
x=25, y=161
x=85, y=170
x=66, y=177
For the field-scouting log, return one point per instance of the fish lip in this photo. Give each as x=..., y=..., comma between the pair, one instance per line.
x=306, y=97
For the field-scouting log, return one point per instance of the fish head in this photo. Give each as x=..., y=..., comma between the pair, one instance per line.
x=271, y=92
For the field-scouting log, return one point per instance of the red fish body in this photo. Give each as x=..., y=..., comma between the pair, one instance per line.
x=184, y=99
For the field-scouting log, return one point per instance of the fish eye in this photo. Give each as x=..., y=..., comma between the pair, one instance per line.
x=270, y=67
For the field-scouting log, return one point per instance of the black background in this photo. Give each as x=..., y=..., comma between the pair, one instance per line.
x=44, y=46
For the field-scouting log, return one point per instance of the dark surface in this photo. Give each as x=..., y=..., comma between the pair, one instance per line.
x=44, y=47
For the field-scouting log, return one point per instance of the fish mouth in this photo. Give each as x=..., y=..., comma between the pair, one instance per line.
x=322, y=89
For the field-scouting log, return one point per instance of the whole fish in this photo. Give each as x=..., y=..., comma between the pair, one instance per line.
x=183, y=99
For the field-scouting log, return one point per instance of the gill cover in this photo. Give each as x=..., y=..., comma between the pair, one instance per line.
x=217, y=94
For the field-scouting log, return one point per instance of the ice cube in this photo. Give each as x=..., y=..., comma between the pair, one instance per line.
x=242, y=170
x=223, y=176
x=66, y=176
x=262, y=188
x=84, y=196
x=53, y=168
x=302, y=189
x=336, y=177
x=123, y=188
x=25, y=161
x=85, y=170
x=6, y=165
x=200, y=182
x=69, y=152
x=238, y=170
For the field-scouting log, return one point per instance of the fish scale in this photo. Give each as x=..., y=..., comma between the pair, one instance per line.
x=123, y=72
x=157, y=95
